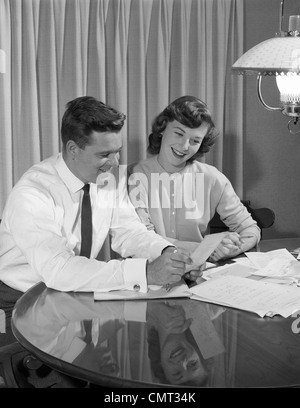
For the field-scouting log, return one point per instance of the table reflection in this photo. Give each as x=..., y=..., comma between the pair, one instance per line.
x=162, y=342
x=156, y=343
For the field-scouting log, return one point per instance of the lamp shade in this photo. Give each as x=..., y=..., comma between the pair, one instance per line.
x=275, y=56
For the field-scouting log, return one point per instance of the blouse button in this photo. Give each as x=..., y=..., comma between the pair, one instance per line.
x=136, y=288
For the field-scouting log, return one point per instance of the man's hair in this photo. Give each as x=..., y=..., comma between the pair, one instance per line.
x=85, y=115
x=189, y=111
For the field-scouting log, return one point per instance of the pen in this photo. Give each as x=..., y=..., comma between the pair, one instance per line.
x=169, y=286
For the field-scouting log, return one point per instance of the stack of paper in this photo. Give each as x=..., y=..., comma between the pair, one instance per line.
x=234, y=269
x=262, y=259
x=276, y=266
x=260, y=297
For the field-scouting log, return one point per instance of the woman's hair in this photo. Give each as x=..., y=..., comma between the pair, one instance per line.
x=85, y=115
x=189, y=111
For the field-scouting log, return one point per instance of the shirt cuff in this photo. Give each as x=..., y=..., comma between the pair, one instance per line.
x=135, y=275
x=156, y=248
x=169, y=246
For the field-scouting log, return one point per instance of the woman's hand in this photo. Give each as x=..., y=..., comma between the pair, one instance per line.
x=193, y=272
x=229, y=247
x=232, y=245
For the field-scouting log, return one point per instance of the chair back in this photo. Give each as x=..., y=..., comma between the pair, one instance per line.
x=264, y=217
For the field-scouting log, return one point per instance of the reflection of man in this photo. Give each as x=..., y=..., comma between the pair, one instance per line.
x=101, y=354
x=56, y=319
x=77, y=330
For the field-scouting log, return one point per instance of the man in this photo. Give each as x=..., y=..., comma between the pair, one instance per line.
x=40, y=232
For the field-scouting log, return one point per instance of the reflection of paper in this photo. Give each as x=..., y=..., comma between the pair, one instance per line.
x=203, y=329
x=207, y=247
x=247, y=294
x=154, y=292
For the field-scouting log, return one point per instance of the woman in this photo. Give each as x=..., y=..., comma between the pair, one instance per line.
x=176, y=195
x=174, y=354
x=183, y=349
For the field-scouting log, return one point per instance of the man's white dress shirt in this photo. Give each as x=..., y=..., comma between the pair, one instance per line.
x=40, y=233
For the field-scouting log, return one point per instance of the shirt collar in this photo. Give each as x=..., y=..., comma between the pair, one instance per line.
x=72, y=182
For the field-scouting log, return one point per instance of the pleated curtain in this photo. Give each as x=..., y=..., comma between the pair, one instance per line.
x=135, y=55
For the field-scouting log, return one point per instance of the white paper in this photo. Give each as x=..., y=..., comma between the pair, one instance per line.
x=276, y=266
x=261, y=259
x=243, y=261
x=259, y=296
x=234, y=269
x=207, y=247
x=154, y=292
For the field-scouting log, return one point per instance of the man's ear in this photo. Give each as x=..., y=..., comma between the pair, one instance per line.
x=72, y=149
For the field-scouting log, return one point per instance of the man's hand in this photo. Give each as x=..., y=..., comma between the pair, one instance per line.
x=167, y=268
x=194, y=273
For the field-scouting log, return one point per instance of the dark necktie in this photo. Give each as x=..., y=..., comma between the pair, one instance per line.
x=86, y=223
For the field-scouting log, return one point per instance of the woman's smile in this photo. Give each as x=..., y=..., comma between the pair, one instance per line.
x=177, y=153
x=178, y=352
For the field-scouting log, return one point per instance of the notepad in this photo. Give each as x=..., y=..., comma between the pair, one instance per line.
x=154, y=292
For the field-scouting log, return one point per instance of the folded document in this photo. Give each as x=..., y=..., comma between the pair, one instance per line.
x=154, y=292
x=207, y=247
